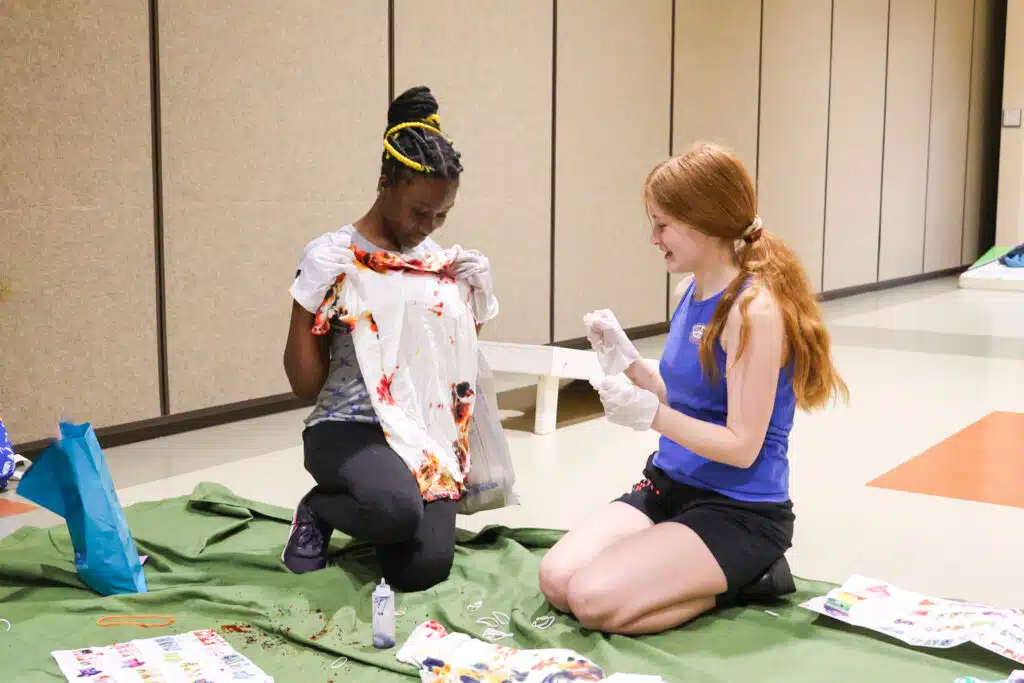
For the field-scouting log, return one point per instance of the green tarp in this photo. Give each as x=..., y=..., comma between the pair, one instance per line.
x=989, y=256
x=214, y=563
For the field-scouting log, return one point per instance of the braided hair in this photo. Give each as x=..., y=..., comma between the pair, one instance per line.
x=413, y=141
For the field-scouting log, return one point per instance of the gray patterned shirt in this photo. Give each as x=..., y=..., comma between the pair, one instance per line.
x=344, y=397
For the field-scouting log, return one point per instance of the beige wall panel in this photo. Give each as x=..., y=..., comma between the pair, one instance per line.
x=856, y=122
x=1009, y=229
x=979, y=116
x=905, y=163
x=947, y=156
x=716, y=75
x=272, y=120
x=1009, y=226
x=794, y=125
x=612, y=128
x=718, y=58
x=77, y=273
x=502, y=126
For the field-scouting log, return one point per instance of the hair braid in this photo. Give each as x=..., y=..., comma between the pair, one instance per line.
x=413, y=140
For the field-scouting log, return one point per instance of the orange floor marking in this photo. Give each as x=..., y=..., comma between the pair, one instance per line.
x=983, y=462
x=9, y=508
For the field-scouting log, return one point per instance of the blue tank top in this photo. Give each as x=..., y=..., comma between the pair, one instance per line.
x=691, y=392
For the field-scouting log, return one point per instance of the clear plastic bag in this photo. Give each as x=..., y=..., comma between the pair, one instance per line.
x=492, y=479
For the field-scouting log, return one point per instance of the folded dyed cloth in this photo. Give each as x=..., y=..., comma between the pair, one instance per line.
x=444, y=657
x=1015, y=677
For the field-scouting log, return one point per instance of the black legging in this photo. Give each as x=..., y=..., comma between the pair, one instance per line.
x=364, y=489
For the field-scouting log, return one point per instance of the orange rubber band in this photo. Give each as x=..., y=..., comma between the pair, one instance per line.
x=132, y=620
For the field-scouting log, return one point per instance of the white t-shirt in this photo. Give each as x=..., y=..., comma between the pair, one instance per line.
x=344, y=397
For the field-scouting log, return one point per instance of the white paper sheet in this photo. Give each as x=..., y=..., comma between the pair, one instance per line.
x=196, y=657
x=923, y=621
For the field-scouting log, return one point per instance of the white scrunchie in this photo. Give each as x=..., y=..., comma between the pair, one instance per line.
x=752, y=228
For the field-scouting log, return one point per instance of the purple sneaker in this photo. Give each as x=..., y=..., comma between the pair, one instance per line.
x=306, y=549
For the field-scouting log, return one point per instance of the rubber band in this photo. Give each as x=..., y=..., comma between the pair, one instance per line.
x=339, y=662
x=474, y=607
x=4, y=621
x=488, y=621
x=132, y=620
x=493, y=634
x=543, y=623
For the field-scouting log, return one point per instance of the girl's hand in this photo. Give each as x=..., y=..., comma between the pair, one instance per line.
x=323, y=260
x=615, y=352
x=626, y=404
x=474, y=269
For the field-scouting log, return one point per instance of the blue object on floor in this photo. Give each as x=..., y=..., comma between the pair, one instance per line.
x=71, y=479
x=7, y=465
x=1014, y=258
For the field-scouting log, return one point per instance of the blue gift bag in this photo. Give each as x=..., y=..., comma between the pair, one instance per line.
x=71, y=479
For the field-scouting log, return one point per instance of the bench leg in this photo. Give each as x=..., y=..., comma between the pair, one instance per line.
x=547, y=405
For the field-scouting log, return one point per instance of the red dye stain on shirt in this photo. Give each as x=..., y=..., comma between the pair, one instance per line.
x=384, y=389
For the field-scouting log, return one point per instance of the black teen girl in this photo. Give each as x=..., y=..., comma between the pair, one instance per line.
x=364, y=489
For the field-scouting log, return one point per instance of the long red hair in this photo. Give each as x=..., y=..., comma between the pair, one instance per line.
x=709, y=190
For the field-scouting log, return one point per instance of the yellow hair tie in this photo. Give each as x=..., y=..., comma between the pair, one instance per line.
x=425, y=124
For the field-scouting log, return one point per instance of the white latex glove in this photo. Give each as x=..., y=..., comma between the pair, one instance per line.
x=474, y=269
x=626, y=404
x=323, y=260
x=615, y=352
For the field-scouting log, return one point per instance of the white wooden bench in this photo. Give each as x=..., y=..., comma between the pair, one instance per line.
x=549, y=364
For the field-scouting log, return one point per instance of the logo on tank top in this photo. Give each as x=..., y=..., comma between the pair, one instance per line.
x=697, y=333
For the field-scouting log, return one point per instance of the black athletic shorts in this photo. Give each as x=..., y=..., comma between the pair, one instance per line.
x=745, y=538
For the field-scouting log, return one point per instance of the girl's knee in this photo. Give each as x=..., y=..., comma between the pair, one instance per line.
x=422, y=572
x=593, y=602
x=555, y=575
x=393, y=517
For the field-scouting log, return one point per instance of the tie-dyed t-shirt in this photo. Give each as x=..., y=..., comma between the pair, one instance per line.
x=444, y=656
x=415, y=341
x=344, y=397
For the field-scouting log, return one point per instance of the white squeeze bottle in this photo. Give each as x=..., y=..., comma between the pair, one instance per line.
x=383, y=616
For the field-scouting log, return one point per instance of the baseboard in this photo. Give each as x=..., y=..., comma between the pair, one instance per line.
x=144, y=430
x=834, y=294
